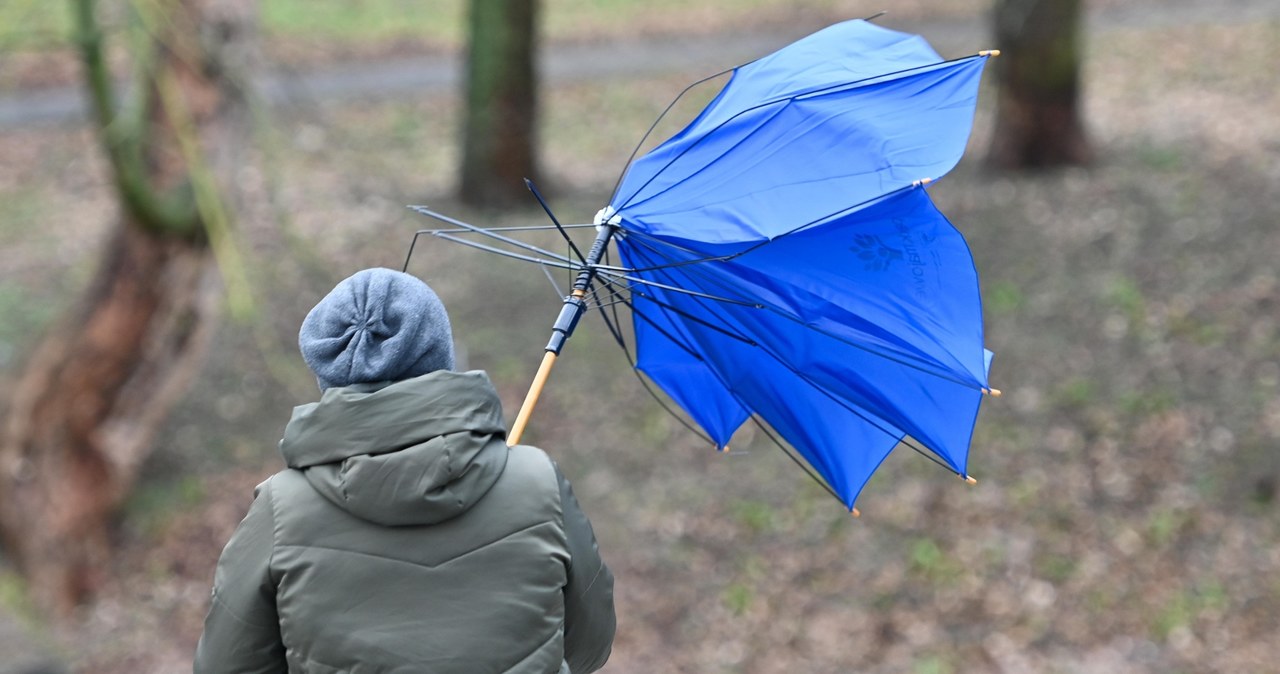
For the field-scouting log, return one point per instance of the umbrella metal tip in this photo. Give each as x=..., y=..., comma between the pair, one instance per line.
x=989, y=52
x=969, y=479
x=855, y=512
x=993, y=392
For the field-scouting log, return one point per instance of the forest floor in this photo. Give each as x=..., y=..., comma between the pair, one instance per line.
x=1126, y=516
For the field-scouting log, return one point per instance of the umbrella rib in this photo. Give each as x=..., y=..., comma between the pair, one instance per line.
x=633, y=201
x=617, y=318
x=551, y=279
x=918, y=448
x=648, y=387
x=896, y=358
x=683, y=263
x=768, y=433
x=816, y=93
x=691, y=317
x=617, y=334
x=690, y=351
x=759, y=244
x=903, y=359
x=864, y=415
x=519, y=228
x=675, y=340
x=554, y=220
x=412, y=243
x=616, y=298
x=875, y=422
x=900, y=359
x=682, y=291
x=803, y=466
x=729, y=257
x=494, y=235
x=558, y=263
x=928, y=454
x=661, y=115
x=609, y=304
x=884, y=77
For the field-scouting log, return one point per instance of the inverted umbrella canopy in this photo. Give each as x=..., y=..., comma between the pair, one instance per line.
x=783, y=259
x=822, y=126
x=835, y=301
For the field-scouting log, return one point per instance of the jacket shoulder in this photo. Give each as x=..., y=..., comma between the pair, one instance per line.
x=528, y=483
x=531, y=460
x=288, y=486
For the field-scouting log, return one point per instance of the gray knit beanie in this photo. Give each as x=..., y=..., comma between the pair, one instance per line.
x=377, y=325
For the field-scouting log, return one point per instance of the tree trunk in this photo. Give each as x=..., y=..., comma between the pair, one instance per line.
x=1038, y=121
x=84, y=414
x=499, y=143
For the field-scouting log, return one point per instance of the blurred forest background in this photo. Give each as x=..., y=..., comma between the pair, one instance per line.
x=1125, y=519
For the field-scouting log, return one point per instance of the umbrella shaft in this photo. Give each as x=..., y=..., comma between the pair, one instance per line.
x=567, y=321
x=574, y=306
x=588, y=272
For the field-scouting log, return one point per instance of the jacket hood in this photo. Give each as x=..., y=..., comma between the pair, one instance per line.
x=418, y=451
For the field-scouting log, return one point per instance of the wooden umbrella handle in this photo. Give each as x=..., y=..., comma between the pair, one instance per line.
x=531, y=399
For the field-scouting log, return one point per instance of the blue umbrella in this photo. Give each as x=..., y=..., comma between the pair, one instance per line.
x=783, y=259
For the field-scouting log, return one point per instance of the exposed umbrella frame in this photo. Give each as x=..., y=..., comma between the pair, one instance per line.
x=622, y=284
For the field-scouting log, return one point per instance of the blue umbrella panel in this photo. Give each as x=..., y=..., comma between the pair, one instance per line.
x=846, y=338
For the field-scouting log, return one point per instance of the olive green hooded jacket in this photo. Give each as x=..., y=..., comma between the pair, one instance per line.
x=405, y=536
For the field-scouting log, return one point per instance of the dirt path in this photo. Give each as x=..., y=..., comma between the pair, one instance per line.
x=414, y=76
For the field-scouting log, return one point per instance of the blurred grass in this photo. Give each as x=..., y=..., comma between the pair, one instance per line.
x=442, y=23
x=342, y=25
x=154, y=503
x=32, y=24
x=1125, y=515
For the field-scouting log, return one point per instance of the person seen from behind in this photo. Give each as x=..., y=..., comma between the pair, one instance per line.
x=404, y=534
